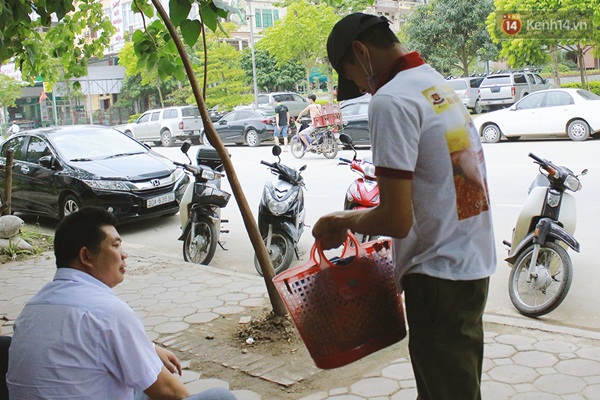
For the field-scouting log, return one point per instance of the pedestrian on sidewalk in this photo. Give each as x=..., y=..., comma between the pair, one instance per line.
x=76, y=339
x=282, y=122
x=433, y=202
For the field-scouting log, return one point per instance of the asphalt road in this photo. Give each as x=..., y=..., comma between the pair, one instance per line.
x=510, y=173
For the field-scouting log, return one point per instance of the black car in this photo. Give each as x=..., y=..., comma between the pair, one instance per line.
x=245, y=126
x=355, y=120
x=58, y=170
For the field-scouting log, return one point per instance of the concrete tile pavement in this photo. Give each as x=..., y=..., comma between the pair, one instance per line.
x=179, y=300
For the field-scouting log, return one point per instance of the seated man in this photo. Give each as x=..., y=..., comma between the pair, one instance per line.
x=315, y=111
x=76, y=339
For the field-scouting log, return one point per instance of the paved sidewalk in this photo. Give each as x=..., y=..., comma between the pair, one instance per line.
x=180, y=301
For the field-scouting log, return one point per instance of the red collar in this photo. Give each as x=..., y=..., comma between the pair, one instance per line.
x=404, y=62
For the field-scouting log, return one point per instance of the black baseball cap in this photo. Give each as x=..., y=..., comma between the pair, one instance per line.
x=341, y=37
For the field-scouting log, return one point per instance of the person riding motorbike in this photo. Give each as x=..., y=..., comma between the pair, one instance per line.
x=315, y=111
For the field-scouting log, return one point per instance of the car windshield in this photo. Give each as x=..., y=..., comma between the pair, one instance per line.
x=95, y=144
x=458, y=85
x=588, y=95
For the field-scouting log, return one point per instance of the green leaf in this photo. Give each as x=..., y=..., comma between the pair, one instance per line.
x=209, y=16
x=190, y=30
x=179, y=10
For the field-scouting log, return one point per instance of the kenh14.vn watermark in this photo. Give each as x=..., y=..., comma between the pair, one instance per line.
x=537, y=25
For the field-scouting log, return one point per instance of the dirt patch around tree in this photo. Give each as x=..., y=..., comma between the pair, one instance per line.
x=223, y=345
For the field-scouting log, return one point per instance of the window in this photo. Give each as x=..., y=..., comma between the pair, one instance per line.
x=267, y=18
x=36, y=149
x=155, y=116
x=475, y=83
x=170, y=114
x=190, y=112
x=588, y=95
x=263, y=99
x=275, y=15
x=534, y=100
x=244, y=115
x=554, y=99
x=257, y=18
x=144, y=118
x=16, y=145
x=520, y=78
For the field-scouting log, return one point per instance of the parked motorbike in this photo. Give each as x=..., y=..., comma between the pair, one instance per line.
x=322, y=141
x=200, y=212
x=363, y=192
x=541, y=267
x=281, y=214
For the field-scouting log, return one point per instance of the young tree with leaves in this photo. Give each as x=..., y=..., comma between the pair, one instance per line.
x=451, y=34
x=300, y=36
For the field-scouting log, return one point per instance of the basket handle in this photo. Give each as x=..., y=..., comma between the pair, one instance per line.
x=359, y=251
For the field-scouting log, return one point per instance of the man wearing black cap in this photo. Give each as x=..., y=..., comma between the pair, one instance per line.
x=433, y=202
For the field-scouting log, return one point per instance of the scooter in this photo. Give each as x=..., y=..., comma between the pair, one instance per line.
x=281, y=214
x=541, y=267
x=363, y=192
x=322, y=141
x=200, y=212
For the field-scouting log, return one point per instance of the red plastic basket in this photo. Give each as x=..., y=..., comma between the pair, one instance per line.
x=344, y=313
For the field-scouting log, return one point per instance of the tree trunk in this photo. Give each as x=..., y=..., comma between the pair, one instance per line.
x=555, y=74
x=582, y=72
x=249, y=222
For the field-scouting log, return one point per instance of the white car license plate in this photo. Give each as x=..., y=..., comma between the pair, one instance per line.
x=158, y=200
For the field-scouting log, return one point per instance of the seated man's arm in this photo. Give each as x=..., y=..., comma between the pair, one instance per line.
x=167, y=387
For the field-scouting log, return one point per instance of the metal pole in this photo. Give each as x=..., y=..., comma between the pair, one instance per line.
x=55, y=111
x=250, y=20
x=89, y=97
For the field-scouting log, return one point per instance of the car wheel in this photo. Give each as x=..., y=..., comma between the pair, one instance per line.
x=252, y=138
x=205, y=139
x=166, y=138
x=68, y=206
x=157, y=143
x=196, y=141
x=477, y=109
x=491, y=133
x=578, y=130
x=129, y=133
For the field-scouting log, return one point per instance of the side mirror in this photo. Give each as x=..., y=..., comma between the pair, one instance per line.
x=346, y=139
x=276, y=150
x=48, y=162
x=222, y=122
x=185, y=147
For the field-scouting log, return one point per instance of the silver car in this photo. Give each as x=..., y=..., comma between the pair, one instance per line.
x=467, y=90
x=293, y=101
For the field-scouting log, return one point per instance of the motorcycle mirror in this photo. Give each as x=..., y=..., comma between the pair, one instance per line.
x=185, y=147
x=584, y=172
x=302, y=168
x=346, y=139
x=276, y=150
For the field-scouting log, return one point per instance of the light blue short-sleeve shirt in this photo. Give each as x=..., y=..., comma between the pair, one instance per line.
x=76, y=339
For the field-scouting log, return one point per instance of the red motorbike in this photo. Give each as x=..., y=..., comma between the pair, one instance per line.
x=363, y=192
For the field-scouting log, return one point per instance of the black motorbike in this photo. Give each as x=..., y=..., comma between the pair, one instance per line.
x=281, y=214
x=200, y=211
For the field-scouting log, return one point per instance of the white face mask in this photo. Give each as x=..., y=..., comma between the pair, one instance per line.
x=372, y=80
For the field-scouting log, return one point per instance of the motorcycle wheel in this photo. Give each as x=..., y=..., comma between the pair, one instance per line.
x=332, y=146
x=280, y=252
x=297, y=148
x=200, y=249
x=543, y=294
